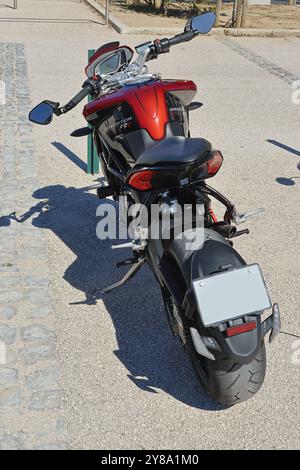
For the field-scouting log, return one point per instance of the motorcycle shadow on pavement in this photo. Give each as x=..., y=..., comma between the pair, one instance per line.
x=291, y=180
x=154, y=358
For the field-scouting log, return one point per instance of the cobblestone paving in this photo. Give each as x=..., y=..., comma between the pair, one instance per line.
x=30, y=397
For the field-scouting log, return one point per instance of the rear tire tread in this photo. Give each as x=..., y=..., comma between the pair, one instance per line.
x=231, y=369
x=237, y=383
x=235, y=380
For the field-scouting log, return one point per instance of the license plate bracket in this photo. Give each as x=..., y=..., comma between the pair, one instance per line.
x=231, y=294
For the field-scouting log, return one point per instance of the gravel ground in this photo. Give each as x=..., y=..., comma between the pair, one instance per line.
x=125, y=380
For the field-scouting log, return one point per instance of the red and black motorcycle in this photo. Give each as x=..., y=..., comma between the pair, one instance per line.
x=140, y=124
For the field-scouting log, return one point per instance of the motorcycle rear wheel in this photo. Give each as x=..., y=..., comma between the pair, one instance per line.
x=225, y=380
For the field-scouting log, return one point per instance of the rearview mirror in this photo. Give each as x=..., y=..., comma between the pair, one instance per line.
x=109, y=62
x=203, y=23
x=41, y=114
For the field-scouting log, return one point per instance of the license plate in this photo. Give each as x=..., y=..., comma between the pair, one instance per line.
x=231, y=294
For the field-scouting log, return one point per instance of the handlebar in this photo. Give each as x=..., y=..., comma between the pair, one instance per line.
x=89, y=87
x=161, y=46
x=92, y=86
x=183, y=37
x=86, y=90
x=128, y=73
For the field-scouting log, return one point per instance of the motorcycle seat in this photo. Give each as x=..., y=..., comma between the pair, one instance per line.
x=176, y=151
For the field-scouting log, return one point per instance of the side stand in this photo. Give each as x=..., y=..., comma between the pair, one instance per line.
x=130, y=274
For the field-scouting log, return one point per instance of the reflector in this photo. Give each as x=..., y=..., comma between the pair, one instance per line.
x=243, y=328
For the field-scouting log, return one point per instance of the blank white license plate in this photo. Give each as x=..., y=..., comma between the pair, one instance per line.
x=231, y=294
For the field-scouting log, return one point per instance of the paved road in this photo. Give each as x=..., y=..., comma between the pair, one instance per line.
x=123, y=379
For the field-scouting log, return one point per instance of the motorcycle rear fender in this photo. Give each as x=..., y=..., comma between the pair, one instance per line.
x=216, y=255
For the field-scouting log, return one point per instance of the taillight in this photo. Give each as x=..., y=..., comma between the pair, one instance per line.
x=141, y=180
x=215, y=163
x=243, y=328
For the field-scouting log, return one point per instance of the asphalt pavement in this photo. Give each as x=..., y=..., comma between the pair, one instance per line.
x=126, y=382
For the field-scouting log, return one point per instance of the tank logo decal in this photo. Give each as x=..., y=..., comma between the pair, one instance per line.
x=176, y=110
x=125, y=123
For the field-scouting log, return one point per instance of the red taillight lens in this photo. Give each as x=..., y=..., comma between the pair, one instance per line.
x=215, y=163
x=141, y=180
x=243, y=328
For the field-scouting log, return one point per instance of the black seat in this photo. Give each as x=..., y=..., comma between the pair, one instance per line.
x=175, y=150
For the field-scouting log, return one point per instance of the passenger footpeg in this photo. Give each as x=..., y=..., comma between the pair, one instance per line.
x=132, y=245
x=129, y=275
x=239, y=218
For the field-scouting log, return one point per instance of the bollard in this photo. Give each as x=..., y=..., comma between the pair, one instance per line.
x=92, y=156
x=107, y=12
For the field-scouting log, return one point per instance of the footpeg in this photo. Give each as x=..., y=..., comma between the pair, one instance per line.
x=123, y=245
x=239, y=218
x=126, y=262
x=104, y=192
x=132, y=245
x=242, y=232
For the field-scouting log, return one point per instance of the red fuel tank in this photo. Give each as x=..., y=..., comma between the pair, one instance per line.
x=148, y=103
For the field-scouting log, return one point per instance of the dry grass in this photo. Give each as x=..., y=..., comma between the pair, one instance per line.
x=259, y=16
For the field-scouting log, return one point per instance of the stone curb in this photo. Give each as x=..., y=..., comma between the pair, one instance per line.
x=122, y=28
x=263, y=33
x=115, y=23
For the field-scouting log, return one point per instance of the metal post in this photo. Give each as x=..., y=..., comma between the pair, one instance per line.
x=239, y=13
x=107, y=12
x=218, y=12
x=92, y=156
x=15, y=6
x=244, y=14
x=234, y=12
